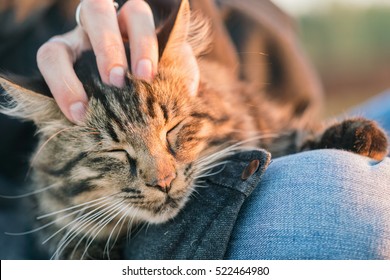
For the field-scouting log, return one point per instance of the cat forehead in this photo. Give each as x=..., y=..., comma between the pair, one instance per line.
x=139, y=104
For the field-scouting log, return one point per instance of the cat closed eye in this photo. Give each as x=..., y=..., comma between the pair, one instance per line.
x=132, y=162
x=172, y=137
x=176, y=128
x=117, y=151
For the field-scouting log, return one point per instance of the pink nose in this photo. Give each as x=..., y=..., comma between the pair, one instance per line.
x=163, y=184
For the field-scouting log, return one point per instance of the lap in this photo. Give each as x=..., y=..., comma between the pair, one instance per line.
x=323, y=204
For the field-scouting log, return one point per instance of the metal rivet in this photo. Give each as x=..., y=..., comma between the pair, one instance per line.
x=252, y=167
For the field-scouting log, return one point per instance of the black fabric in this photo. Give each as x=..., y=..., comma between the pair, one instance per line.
x=16, y=217
x=19, y=43
x=202, y=229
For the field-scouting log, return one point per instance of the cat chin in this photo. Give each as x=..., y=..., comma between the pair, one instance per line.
x=156, y=218
x=162, y=211
x=160, y=214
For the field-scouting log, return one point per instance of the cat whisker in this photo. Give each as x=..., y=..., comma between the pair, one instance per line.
x=206, y=167
x=76, y=220
x=230, y=150
x=254, y=138
x=70, y=89
x=131, y=223
x=194, y=190
x=138, y=230
x=104, y=223
x=214, y=157
x=120, y=228
x=50, y=139
x=217, y=155
x=103, y=218
x=84, y=222
x=80, y=223
x=208, y=174
x=42, y=227
x=44, y=145
x=30, y=231
x=199, y=186
x=71, y=234
x=107, y=248
x=76, y=206
x=30, y=193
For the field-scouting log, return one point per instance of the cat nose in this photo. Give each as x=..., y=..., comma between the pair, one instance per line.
x=163, y=184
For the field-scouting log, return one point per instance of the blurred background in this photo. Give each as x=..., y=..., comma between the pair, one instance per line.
x=348, y=42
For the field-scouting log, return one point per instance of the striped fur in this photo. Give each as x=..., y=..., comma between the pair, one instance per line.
x=143, y=149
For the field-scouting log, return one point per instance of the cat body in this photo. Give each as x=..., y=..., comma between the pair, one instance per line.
x=139, y=153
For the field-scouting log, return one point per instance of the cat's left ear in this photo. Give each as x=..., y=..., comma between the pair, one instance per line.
x=180, y=41
x=25, y=104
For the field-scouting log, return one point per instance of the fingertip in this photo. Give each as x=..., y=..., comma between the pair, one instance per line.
x=137, y=22
x=144, y=69
x=78, y=111
x=117, y=76
x=101, y=24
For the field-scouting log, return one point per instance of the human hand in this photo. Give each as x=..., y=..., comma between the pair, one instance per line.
x=102, y=31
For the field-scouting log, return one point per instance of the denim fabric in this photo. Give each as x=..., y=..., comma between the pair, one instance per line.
x=324, y=204
x=202, y=229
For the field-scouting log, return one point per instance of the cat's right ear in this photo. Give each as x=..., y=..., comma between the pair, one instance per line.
x=181, y=39
x=25, y=104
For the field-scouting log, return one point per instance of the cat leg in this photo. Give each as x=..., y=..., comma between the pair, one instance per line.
x=357, y=135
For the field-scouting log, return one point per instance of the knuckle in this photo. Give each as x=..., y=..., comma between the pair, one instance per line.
x=47, y=53
x=136, y=6
x=147, y=46
x=96, y=6
x=108, y=48
x=109, y=54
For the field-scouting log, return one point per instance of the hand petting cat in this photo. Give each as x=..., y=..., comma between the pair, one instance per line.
x=102, y=29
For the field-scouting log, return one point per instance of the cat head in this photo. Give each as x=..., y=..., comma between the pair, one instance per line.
x=137, y=153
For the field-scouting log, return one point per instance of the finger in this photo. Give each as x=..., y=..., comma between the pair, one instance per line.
x=76, y=40
x=100, y=22
x=55, y=61
x=136, y=22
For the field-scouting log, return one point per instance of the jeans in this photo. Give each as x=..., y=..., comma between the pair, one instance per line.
x=323, y=204
x=336, y=207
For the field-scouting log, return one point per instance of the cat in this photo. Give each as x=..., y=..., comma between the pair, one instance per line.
x=138, y=153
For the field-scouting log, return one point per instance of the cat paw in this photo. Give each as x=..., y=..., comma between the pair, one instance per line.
x=358, y=135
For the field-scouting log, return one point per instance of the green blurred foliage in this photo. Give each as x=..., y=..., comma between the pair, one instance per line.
x=347, y=37
x=350, y=48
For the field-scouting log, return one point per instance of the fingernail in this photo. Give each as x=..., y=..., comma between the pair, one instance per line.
x=117, y=76
x=144, y=69
x=78, y=111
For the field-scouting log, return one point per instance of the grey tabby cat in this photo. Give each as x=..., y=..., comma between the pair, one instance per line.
x=137, y=156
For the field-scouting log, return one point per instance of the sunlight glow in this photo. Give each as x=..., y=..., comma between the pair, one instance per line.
x=298, y=7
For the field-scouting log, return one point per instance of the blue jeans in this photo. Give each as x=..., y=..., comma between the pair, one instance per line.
x=323, y=204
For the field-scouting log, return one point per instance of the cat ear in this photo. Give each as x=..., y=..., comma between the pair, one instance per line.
x=25, y=104
x=178, y=48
